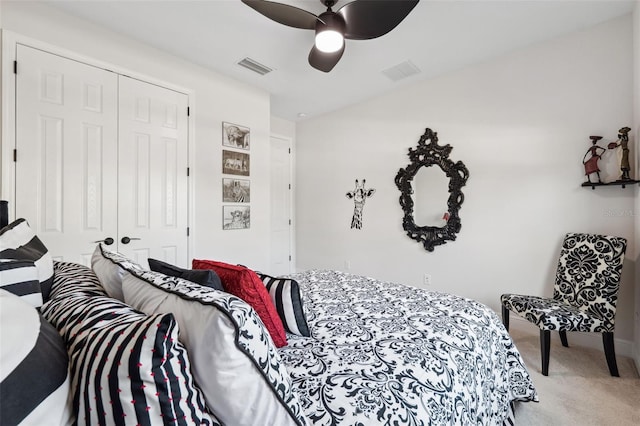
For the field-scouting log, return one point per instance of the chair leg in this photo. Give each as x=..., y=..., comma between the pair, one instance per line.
x=505, y=317
x=563, y=338
x=545, y=346
x=610, y=353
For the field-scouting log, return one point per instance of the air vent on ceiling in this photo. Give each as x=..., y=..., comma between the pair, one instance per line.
x=254, y=66
x=402, y=70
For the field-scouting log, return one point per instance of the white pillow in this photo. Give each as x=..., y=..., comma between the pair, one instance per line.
x=33, y=366
x=110, y=268
x=234, y=360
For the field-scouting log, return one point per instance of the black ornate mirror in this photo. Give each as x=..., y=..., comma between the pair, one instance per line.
x=427, y=155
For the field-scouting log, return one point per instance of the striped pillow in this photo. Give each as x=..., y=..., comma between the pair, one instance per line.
x=20, y=277
x=126, y=367
x=70, y=278
x=285, y=294
x=34, y=383
x=19, y=242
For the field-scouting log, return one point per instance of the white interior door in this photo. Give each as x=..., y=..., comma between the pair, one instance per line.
x=280, y=206
x=153, y=159
x=66, y=142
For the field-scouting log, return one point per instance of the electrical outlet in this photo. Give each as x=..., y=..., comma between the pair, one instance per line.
x=426, y=279
x=347, y=265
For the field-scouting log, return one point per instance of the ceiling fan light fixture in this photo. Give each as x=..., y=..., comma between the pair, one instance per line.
x=329, y=40
x=330, y=29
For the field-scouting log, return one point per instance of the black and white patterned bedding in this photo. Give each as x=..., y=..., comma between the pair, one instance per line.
x=385, y=353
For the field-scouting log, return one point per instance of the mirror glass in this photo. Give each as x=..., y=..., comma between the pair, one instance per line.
x=430, y=195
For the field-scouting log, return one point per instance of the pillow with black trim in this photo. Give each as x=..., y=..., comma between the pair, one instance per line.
x=110, y=267
x=19, y=242
x=34, y=367
x=20, y=277
x=126, y=367
x=285, y=294
x=234, y=358
x=205, y=277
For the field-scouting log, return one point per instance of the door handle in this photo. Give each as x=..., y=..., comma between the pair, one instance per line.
x=108, y=241
x=127, y=240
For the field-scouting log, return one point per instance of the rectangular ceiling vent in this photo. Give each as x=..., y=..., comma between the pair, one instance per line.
x=402, y=70
x=254, y=66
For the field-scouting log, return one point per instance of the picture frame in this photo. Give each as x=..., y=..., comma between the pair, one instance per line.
x=236, y=190
x=235, y=163
x=236, y=136
x=236, y=217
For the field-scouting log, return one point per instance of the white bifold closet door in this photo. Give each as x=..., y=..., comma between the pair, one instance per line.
x=100, y=156
x=67, y=152
x=152, y=190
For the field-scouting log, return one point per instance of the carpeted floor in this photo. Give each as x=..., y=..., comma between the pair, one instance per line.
x=579, y=389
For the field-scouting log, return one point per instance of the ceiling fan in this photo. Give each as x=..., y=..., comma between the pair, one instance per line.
x=358, y=20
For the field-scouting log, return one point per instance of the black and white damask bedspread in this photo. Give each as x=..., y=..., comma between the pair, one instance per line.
x=390, y=354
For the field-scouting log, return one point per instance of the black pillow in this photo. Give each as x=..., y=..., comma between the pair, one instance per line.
x=205, y=277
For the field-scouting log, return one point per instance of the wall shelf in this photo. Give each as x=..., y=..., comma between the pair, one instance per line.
x=622, y=183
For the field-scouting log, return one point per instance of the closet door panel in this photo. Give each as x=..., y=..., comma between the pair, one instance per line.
x=66, y=141
x=153, y=183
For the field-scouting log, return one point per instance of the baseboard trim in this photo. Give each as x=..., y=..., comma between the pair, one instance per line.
x=587, y=340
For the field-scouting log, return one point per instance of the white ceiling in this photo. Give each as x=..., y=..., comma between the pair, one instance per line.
x=437, y=36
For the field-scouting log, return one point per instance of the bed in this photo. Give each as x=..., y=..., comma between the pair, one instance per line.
x=376, y=353
x=385, y=353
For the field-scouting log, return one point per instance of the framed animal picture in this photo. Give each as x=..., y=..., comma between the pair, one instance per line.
x=235, y=163
x=236, y=217
x=236, y=190
x=235, y=136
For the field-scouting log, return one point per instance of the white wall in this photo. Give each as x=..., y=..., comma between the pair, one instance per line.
x=521, y=124
x=636, y=128
x=282, y=127
x=214, y=99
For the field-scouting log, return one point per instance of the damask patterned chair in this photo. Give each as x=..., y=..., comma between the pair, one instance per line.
x=584, y=295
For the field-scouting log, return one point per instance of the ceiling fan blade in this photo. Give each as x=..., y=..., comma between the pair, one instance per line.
x=367, y=19
x=284, y=14
x=324, y=61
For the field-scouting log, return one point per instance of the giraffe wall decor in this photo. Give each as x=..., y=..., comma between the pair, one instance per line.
x=359, y=195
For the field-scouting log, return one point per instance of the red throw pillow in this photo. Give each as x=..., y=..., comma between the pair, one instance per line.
x=245, y=284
